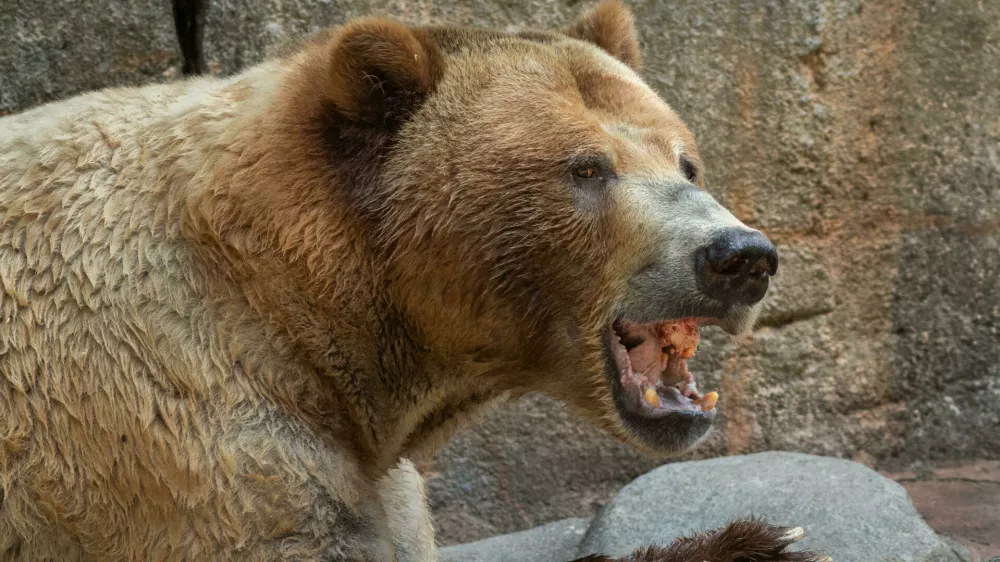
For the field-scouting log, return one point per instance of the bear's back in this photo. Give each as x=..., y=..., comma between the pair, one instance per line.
x=81, y=196
x=94, y=194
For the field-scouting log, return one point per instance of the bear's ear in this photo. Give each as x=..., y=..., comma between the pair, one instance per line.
x=609, y=25
x=381, y=71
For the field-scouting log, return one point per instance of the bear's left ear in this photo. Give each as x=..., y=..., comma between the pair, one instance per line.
x=381, y=71
x=609, y=25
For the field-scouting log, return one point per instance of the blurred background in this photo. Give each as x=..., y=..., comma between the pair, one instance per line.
x=862, y=136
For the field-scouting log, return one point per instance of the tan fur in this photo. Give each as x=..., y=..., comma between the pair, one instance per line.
x=404, y=498
x=230, y=307
x=609, y=25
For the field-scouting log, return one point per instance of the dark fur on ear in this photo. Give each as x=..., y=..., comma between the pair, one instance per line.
x=609, y=25
x=381, y=71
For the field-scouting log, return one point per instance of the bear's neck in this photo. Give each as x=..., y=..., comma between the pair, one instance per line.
x=270, y=218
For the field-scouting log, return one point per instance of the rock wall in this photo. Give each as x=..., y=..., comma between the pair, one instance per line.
x=862, y=136
x=52, y=49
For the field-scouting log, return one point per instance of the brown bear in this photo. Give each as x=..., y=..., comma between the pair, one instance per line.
x=232, y=308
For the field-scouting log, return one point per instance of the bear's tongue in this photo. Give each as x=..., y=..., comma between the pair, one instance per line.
x=657, y=354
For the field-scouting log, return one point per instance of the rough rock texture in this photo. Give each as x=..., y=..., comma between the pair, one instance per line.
x=239, y=33
x=863, y=137
x=849, y=512
x=555, y=542
x=52, y=49
x=959, y=501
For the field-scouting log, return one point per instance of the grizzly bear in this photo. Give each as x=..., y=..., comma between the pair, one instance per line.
x=232, y=308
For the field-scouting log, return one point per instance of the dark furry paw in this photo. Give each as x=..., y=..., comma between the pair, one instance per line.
x=745, y=540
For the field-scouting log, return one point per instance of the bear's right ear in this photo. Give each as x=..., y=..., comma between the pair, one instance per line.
x=610, y=26
x=381, y=71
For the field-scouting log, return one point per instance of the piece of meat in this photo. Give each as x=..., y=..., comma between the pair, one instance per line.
x=680, y=335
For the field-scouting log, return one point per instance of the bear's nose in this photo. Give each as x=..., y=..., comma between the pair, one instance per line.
x=736, y=266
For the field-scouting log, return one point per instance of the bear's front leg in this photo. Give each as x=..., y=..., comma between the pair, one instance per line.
x=404, y=499
x=746, y=540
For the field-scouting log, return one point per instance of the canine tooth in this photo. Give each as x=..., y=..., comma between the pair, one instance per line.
x=652, y=397
x=707, y=402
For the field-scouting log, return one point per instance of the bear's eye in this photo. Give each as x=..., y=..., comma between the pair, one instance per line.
x=689, y=171
x=591, y=173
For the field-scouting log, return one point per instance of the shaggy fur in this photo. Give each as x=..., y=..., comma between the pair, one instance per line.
x=744, y=540
x=229, y=308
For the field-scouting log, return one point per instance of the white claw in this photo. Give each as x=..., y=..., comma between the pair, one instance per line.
x=795, y=535
x=825, y=559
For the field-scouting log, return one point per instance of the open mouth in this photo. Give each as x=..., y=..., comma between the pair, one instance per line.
x=651, y=362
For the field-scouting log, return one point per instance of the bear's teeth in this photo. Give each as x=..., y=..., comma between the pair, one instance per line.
x=652, y=397
x=707, y=402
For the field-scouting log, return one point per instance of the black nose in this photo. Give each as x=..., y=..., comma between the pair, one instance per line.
x=736, y=266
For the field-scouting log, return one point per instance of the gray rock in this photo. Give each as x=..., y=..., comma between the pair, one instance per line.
x=849, y=512
x=958, y=548
x=949, y=341
x=52, y=49
x=555, y=542
x=802, y=288
x=241, y=33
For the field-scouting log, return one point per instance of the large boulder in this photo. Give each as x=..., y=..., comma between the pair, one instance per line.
x=52, y=49
x=849, y=512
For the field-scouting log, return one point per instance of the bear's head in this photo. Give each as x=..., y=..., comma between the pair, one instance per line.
x=538, y=214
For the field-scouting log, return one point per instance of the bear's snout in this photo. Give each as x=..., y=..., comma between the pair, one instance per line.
x=736, y=267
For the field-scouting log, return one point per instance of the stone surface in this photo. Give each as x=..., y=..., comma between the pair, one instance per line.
x=849, y=512
x=948, y=342
x=240, y=33
x=555, y=542
x=53, y=49
x=960, y=502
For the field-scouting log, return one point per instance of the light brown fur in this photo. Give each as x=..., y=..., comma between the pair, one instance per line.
x=230, y=307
